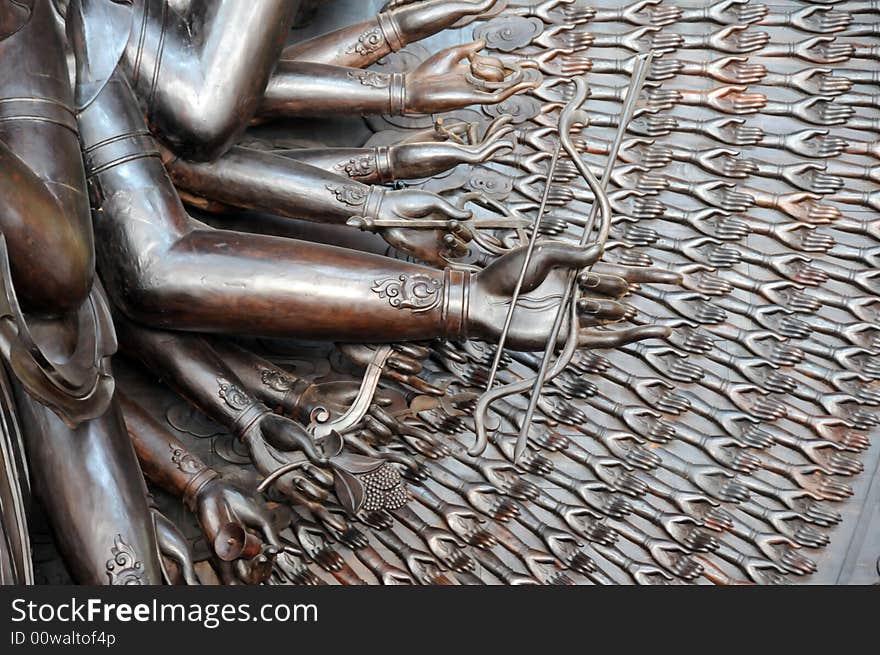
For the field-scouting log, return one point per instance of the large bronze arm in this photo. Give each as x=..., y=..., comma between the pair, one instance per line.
x=200, y=74
x=365, y=43
x=449, y=80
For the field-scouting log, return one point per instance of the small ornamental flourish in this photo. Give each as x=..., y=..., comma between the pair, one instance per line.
x=418, y=292
x=370, y=78
x=232, y=395
x=368, y=42
x=349, y=194
x=357, y=166
x=184, y=460
x=277, y=380
x=124, y=568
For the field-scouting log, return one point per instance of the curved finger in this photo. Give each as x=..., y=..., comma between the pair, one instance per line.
x=596, y=310
x=498, y=125
x=292, y=437
x=441, y=205
x=503, y=94
x=377, y=428
x=418, y=384
x=443, y=61
x=413, y=350
x=454, y=247
x=259, y=520
x=384, y=418
x=173, y=545
x=637, y=274
x=550, y=255
x=601, y=339
x=606, y=285
x=487, y=150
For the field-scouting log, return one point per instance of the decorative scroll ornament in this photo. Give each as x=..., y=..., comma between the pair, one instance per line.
x=184, y=460
x=509, y=33
x=418, y=292
x=351, y=195
x=124, y=568
x=492, y=183
x=358, y=166
x=232, y=395
x=368, y=42
x=277, y=380
x=520, y=107
x=370, y=78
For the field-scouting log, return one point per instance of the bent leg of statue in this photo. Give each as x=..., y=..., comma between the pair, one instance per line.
x=380, y=411
x=89, y=482
x=59, y=337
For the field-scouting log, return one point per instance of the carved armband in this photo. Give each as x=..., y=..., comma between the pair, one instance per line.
x=249, y=411
x=395, y=83
x=397, y=95
x=291, y=387
x=372, y=166
x=420, y=293
x=390, y=29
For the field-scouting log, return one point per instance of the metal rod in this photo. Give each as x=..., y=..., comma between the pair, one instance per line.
x=640, y=72
x=514, y=298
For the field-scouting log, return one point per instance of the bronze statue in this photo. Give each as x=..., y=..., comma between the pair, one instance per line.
x=59, y=336
x=392, y=358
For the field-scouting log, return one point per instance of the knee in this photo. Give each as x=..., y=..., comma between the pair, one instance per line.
x=54, y=277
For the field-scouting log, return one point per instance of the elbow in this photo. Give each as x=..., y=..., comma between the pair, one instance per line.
x=137, y=297
x=204, y=131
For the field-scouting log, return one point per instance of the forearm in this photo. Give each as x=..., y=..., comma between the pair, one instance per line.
x=384, y=164
x=366, y=165
x=189, y=365
x=164, y=459
x=357, y=45
x=274, y=386
x=275, y=184
x=287, y=288
x=310, y=89
x=365, y=43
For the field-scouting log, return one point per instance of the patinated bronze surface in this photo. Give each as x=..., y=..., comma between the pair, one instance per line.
x=438, y=292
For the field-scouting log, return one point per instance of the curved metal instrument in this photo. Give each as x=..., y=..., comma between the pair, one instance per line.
x=567, y=118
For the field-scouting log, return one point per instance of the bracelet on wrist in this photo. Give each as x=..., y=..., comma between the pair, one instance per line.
x=248, y=418
x=391, y=30
x=456, y=297
x=397, y=94
x=195, y=484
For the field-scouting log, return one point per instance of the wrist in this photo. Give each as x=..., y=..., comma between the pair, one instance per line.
x=384, y=164
x=455, y=319
x=296, y=401
x=391, y=30
x=373, y=204
x=397, y=96
x=196, y=485
x=244, y=423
